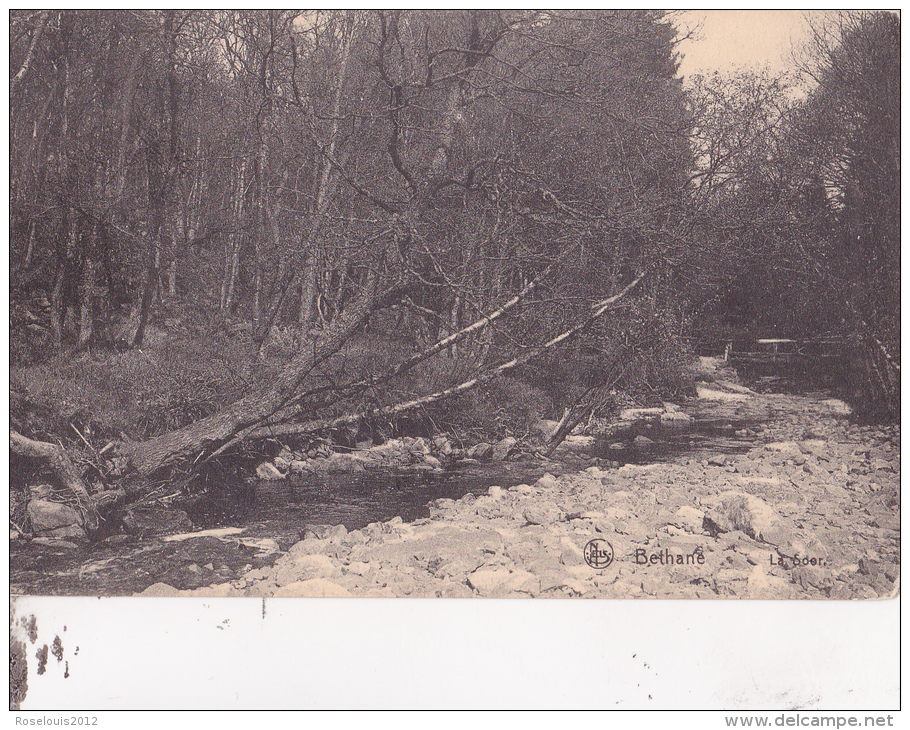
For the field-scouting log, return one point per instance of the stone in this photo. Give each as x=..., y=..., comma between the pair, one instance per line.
x=689, y=518
x=315, y=588
x=42, y=491
x=220, y=590
x=418, y=446
x=837, y=407
x=456, y=590
x=577, y=442
x=442, y=446
x=719, y=395
x=146, y=521
x=358, y=567
x=640, y=414
x=282, y=464
x=574, y=510
x=757, y=519
x=159, y=590
x=642, y=441
x=761, y=585
x=343, y=463
x=547, y=481
x=546, y=428
x=45, y=515
x=675, y=418
x=294, y=568
x=302, y=466
x=268, y=472
x=542, y=513
x=497, y=581
x=808, y=576
x=502, y=449
x=481, y=452
x=384, y=592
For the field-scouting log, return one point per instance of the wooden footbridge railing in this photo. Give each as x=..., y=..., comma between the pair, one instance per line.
x=819, y=352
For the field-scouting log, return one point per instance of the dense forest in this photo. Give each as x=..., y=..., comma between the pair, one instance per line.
x=230, y=226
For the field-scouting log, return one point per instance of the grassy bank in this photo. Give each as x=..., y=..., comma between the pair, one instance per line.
x=183, y=373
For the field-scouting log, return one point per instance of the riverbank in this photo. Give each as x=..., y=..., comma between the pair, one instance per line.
x=810, y=510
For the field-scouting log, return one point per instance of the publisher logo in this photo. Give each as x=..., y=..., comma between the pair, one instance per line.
x=598, y=554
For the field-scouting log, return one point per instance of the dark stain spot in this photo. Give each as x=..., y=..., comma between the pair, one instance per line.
x=66, y=671
x=18, y=673
x=57, y=649
x=76, y=653
x=41, y=655
x=32, y=628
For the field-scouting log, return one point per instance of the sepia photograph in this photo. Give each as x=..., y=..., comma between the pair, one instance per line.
x=452, y=304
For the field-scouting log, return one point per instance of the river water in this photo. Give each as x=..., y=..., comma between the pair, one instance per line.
x=284, y=512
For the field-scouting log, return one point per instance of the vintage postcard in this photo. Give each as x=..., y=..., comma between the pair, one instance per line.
x=454, y=304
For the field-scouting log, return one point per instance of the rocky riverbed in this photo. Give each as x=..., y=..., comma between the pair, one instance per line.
x=808, y=508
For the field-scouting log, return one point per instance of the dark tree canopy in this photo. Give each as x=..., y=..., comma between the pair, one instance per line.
x=319, y=204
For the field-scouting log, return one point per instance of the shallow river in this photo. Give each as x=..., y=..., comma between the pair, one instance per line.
x=284, y=511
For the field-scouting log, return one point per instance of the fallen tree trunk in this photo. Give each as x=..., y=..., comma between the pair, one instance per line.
x=56, y=458
x=389, y=411
x=352, y=388
x=210, y=433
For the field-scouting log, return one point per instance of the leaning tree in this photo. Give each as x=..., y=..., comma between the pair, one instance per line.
x=478, y=168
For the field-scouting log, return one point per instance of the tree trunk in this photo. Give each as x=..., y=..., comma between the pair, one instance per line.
x=232, y=248
x=209, y=433
x=58, y=306
x=323, y=188
x=308, y=287
x=30, y=54
x=87, y=290
x=56, y=457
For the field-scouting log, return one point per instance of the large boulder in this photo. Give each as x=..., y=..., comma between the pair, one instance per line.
x=342, y=463
x=295, y=568
x=504, y=448
x=542, y=513
x=47, y=516
x=481, y=452
x=268, y=472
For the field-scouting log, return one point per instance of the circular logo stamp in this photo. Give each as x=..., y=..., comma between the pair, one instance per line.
x=598, y=553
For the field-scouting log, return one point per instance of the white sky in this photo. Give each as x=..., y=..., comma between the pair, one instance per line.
x=741, y=38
